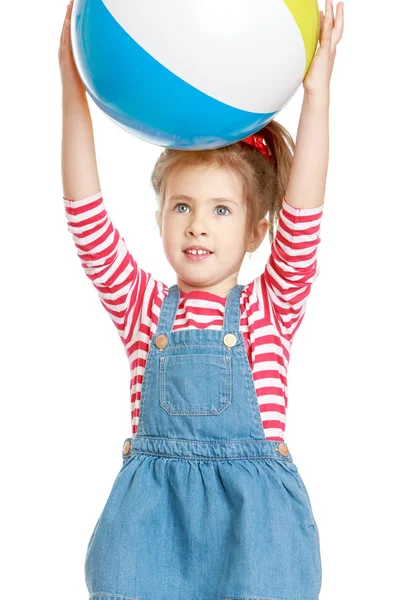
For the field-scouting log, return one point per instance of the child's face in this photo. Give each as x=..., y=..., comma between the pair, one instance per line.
x=204, y=206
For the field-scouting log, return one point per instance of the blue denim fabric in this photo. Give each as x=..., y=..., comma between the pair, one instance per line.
x=203, y=507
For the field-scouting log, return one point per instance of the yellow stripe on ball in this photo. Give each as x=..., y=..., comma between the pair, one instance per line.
x=306, y=15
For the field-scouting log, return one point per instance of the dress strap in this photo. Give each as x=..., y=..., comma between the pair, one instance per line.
x=168, y=310
x=232, y=309
x=170, y=305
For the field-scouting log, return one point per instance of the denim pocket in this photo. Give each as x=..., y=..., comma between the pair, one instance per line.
x=195, y=384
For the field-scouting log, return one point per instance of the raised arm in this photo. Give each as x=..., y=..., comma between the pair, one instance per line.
x=307, y=182
x=104, y=255
x=291, y=269
x=79, y=167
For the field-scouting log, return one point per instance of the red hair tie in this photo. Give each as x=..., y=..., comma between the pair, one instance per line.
x=258, y=141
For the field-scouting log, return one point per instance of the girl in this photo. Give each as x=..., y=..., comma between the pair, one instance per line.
x=208, y=504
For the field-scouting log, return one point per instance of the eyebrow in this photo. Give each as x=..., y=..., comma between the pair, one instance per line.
x=184, y=197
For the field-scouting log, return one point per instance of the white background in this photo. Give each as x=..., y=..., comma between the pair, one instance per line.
x=65, y=376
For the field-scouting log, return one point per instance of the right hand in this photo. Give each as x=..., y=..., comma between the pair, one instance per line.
x=70, y=77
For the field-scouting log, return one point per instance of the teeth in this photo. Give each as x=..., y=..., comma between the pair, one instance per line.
x=197, y=252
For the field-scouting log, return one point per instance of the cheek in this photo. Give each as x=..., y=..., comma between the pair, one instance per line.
x=172, y=238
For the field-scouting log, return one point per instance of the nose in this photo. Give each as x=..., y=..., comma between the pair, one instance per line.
x=197, y=226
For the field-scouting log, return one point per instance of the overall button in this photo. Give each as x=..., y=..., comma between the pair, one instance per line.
x=161, y=341
x=127, y=447
x=230, y=340
x=282, y=449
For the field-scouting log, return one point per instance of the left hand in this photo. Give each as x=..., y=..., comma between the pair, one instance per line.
x=331, y=30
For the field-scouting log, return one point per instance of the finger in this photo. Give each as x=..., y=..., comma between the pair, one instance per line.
x=65, y=33
x=62, y=36
x=68, y=24
x=339, y=24
x=63, y=28
x=328, y=25
x=67, y=12
x=321, y=24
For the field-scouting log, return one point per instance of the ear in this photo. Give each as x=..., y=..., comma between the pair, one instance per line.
x=158, y=220
x=259, y=236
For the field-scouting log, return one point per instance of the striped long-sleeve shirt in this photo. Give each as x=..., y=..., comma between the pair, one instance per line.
x=272, y=305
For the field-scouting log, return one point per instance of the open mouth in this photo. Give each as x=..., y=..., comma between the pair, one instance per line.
x=197, y=254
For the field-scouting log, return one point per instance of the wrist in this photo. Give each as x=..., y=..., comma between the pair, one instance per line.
x=73, y=97
x=318, y=98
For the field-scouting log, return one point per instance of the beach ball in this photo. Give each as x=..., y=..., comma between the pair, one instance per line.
x=193, y=74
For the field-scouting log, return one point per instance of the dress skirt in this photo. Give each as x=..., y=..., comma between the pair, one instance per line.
x=191, y=524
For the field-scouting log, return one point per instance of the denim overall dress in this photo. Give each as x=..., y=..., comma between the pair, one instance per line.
x=203, y=507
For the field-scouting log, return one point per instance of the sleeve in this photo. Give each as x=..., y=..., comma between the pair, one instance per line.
x=291, y=268
x=106, y=260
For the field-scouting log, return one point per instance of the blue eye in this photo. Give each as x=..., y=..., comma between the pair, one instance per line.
x=181, y=204
x=226, y=208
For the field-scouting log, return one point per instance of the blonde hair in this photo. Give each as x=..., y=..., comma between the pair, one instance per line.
x=264, y=181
